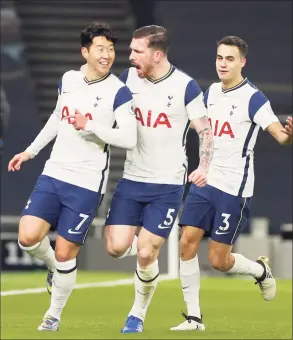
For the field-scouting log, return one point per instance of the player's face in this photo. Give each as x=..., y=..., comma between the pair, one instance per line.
x=142, y=57
x=100, y=55
x=229, y=63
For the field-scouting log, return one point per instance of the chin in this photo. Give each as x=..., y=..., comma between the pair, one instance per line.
x=140, y=74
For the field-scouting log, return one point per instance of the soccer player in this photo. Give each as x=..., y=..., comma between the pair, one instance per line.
x=73, y=182
x=165, y=101
x=236, y=110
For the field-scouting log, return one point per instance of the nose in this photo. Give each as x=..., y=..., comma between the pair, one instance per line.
x=105, y=53
x=223, y=63
x=131, y=56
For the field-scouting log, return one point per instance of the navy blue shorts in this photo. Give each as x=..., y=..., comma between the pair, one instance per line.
x=69, y=209
x=153, y=206
x=221, y=215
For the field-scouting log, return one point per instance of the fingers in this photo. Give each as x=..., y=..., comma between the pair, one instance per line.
x=12, y=164
x=70, y=117
x=197, y=178
x=18, y=164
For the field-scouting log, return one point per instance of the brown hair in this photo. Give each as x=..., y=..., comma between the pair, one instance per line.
x=157, y=35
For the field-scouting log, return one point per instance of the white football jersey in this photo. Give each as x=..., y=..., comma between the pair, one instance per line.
x=163, y=109
x=80, y=157
x=235, y=116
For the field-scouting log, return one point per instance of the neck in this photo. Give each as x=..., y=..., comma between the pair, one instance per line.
x=160, y=70
x=232, y=82
x=92, y=74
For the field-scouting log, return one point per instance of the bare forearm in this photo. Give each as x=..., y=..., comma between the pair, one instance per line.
x=206, y=148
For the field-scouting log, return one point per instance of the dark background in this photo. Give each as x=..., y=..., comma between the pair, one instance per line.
x=29, y=61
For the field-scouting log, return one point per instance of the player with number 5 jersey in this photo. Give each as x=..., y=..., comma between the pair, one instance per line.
x=165, y=101
x=91, y=102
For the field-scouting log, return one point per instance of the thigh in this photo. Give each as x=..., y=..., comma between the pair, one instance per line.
x=231, y=217
x=44, y=202
x=126, y=208
x=161, y=211
x=198, y=210
x=79, y=208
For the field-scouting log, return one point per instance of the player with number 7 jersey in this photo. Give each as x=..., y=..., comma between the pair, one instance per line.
x=150, y=193
x=91, y=102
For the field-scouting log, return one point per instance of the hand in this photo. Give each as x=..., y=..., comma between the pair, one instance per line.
x=17, y=160
x=78, y=120
x=288, y=130
x=198, y=177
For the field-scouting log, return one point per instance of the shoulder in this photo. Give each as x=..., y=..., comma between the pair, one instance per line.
x=128, y=75
x=68, y=78
x=182, y=76
x=71, y=75
x=210, y=91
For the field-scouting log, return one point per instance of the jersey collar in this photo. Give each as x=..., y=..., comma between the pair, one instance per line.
x=243, y=82
x=171, y=70
x=90, y=82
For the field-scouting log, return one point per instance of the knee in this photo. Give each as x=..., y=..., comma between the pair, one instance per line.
x=147, y=255
x=218, y=262
x=27, y=239
x=115, y=248
x=188, y=247
x=31, y=230
x=63, y=254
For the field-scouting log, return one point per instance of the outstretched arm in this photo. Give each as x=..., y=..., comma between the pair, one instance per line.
x=284, y=135
x=45, y=136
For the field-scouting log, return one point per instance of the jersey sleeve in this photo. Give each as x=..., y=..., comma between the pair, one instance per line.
x=193, y=101
x=124, y=76
x=206, y=97
x=125, y=136
x=260, y=110
x=50, y=130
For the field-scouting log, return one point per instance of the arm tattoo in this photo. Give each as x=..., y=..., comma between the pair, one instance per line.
x=206, y=148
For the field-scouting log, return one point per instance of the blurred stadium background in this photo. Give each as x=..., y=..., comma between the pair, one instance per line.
x=40, y=41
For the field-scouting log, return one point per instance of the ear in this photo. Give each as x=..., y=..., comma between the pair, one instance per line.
x=158, y=55
x=84, y=52
x=243, y=61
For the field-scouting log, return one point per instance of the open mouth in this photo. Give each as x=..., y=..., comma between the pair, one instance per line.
x=104, y=63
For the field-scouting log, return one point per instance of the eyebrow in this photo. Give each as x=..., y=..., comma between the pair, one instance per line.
x=228, y=56
x=104, y=46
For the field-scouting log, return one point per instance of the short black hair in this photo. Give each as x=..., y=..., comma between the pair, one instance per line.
x=96, y=29
x=232, y=40
x=158, y=37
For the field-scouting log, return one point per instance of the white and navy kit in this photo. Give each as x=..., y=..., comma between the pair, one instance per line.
x=150, y=192
x=74, y=178
x=222, y=207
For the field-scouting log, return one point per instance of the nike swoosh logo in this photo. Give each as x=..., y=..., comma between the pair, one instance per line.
x=74, y=232
x=142, y=293
x=221, y=233
x=163, y=227
x=185, y=287
x=134, y=92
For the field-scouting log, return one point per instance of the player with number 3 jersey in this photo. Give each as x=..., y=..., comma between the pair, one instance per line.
x=236, y=110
